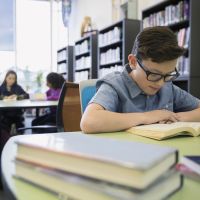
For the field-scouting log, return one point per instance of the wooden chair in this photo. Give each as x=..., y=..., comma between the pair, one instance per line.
x=69, y=108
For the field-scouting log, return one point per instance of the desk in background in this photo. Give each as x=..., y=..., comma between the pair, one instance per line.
x=26, y=103
x=185, y=145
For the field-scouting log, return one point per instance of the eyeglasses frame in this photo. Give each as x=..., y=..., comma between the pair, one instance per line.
x=161, y=75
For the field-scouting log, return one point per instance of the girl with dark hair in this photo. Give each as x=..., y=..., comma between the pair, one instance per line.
x=10, y=90
x=54, y=82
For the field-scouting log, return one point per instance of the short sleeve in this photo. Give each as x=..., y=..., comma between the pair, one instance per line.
x=183, y=101
x=107, y=97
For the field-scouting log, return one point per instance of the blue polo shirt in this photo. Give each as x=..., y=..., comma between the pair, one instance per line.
x=118, y=92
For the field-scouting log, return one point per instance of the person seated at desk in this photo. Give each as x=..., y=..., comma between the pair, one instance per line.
x=143, y=93
x=10, y=90
x=54, y=82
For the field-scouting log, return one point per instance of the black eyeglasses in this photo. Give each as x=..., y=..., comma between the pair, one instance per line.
x=154, y=77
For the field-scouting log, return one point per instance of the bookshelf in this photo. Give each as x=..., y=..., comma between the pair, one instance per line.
x=181, y=16
x=65, y=62
x=85, y=58
x=115, y=44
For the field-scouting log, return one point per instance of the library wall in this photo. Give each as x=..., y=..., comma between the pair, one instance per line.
x=99, y=11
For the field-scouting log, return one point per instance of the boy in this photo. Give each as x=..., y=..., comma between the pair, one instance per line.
x=143, y=93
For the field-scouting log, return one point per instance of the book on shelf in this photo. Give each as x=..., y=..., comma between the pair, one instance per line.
x=164, y=131
x=84, y=188
x=192, y=162
x=169, y=15
x=183, y=37
x=126, y=163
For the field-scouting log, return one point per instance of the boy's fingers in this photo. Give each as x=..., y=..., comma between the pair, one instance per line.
x=173, y=119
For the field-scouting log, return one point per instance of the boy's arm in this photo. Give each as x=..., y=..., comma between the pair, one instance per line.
x=186, y=106
x=96, y=119
x=190, y=116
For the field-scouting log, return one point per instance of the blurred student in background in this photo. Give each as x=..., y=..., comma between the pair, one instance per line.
x=54, y=82
x=10, y=90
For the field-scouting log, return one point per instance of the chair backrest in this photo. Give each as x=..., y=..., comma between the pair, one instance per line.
x=87, y=89
x=68, y=113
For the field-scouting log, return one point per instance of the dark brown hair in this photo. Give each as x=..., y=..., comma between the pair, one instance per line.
x=7, y=74
x=56, y=80
x=157, y=43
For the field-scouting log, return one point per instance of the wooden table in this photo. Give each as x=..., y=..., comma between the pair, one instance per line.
x=185, y=145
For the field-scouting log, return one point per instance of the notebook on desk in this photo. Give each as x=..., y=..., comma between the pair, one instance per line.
x=10, y=100
x=38, y=97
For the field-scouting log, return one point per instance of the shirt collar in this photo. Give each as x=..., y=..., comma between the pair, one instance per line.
x=131, y=85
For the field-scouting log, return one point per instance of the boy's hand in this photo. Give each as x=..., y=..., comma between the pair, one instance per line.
x=161, y=116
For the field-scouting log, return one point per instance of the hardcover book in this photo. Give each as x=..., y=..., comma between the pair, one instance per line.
x=84, y=188
x=192, y=162
x=126, y=163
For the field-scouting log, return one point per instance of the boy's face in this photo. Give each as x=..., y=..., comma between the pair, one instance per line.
x=140, y=76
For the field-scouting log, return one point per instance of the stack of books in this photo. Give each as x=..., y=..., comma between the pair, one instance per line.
x=78, y=166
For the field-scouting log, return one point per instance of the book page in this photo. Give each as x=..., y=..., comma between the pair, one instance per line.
x=161, y=131
x=194, y=125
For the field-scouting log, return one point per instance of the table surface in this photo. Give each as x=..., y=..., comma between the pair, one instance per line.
x=26, y=103
x=186, y=146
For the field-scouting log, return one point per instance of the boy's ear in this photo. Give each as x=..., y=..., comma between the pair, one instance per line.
x=132, y=61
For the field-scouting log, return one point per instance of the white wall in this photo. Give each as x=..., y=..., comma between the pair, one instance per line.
x=99, y=10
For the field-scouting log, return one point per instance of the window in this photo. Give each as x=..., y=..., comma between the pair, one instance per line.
x=33, y=46
x=33, y=42
x=7, y=35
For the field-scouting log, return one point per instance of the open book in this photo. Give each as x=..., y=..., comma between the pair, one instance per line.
x=163, y=131
x=38, y=97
